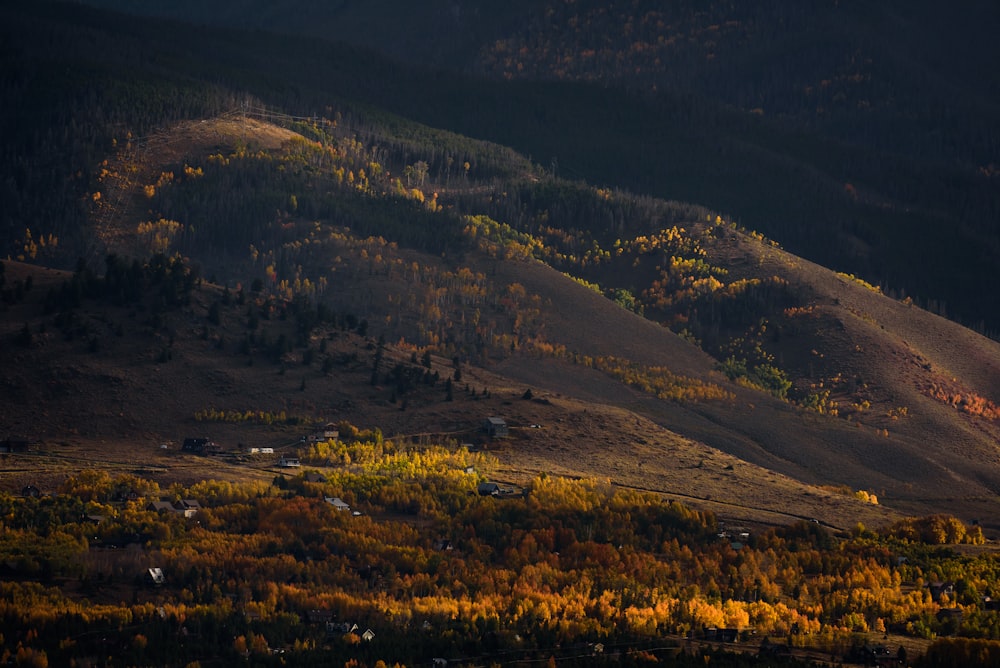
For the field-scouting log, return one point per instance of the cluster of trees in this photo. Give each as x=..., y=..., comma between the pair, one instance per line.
x=433, y=568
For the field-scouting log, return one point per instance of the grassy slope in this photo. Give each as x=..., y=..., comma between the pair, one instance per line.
x=741, y=458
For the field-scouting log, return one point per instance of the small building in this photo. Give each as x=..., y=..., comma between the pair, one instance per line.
x=14, y=445
x=289, y=462
x=337, y=503
x=31, y=491
x=316, y=616
x=315, y=477
x=154, y=576
x=368, y=635
x=489, y=489
x=329, y=432
x=343, y=628
x=189, y=507
x=714, y=634
x=195, y=446
x=125, y=495
x=939, y=589
x=495, y=427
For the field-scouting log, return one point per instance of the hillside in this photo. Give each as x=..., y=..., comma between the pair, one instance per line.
x=286, y=171
x=117, y=397
x=861, y=137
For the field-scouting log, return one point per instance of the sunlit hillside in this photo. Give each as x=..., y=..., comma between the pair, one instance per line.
x=312, y=357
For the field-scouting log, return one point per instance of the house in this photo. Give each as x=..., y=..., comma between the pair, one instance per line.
x=495, y=427
x=316, y=616
x=161, y=507
x=315, y=476
x=195, y=446
x=949, y=614
x=13, y=445
x=344, y=628
x=329, y=432
x=939, y=589
x=337, y=503
x=154, y=576
x=489, y=489
x=289, y=462
x=714, y=634
x=189, y=507
x=122, y=495
x=368, y=635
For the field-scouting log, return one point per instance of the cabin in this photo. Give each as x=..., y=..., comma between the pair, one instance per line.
x=189, y=507
x=368, y=635
x=161, y=507
x=329, y=432
x=195, y=446
x=123, y=495
x=489, y=489
x=316, y=616
x=337, y=503
x=289, y=462
x=714, y=634
x=333, y=627
x=31, y=491
x=939, y=589
x=154, y=576
x=315, y=477
x=495, y=427
x=14, y=445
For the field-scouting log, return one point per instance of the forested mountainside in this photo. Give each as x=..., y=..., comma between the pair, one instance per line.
x=861, y=137
x=243, y=153
x=299, y=365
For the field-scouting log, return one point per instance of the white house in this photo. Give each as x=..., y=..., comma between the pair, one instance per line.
x=337, y=503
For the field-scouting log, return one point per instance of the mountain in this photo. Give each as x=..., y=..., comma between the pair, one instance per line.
x=216, y=228
x=861, y=137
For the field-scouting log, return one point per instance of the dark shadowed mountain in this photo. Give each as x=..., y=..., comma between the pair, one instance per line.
x=861, y=136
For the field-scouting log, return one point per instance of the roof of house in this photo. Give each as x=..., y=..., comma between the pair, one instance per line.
x=161, y=505
x=337, y=502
